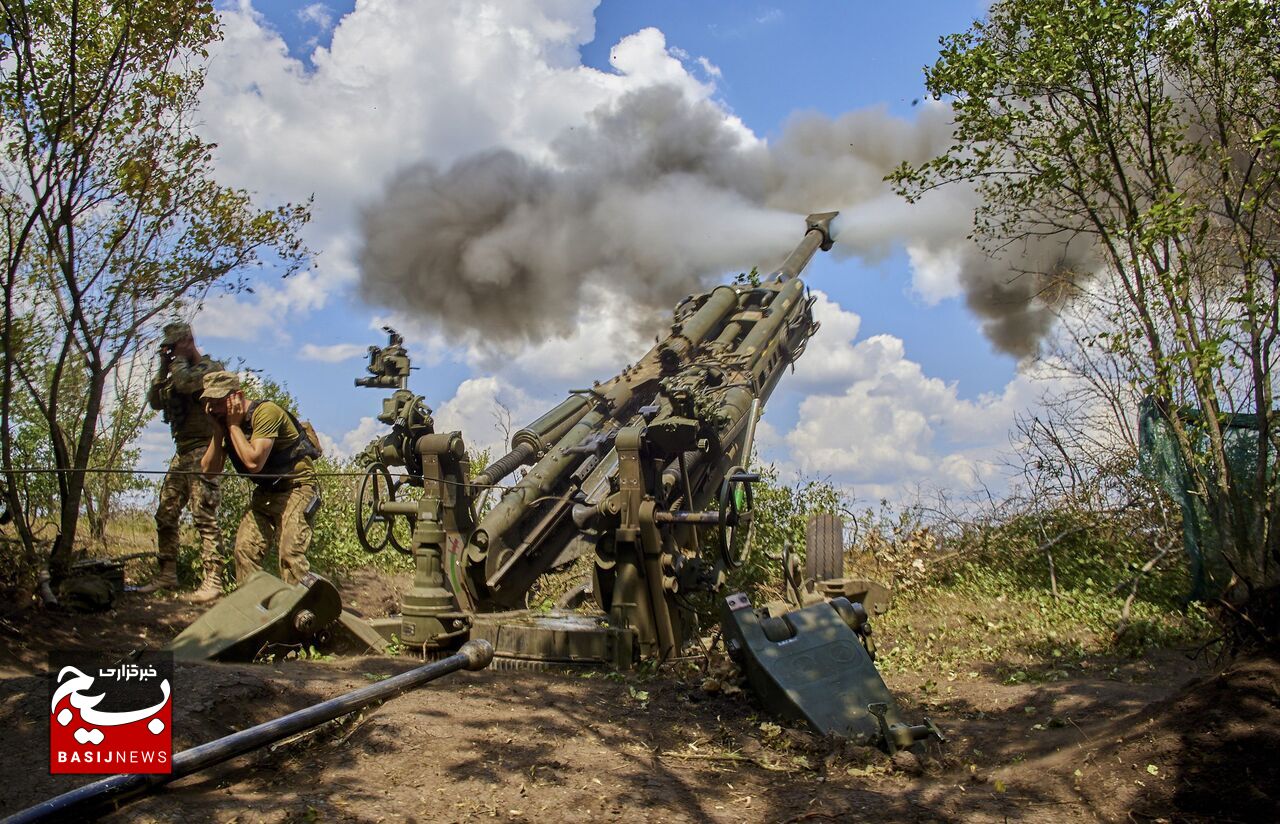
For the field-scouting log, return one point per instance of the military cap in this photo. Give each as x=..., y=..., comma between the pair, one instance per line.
x=176, y=331
x=219, y=385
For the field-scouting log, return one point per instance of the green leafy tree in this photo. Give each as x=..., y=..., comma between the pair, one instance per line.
x=111, y=215
x=1147, y=131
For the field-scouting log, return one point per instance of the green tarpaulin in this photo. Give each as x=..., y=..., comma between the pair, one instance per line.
x=1161, y=460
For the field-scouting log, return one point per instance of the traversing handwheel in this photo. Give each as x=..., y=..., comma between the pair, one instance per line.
x=736, y=505
x=403, y=547
x=373, y=528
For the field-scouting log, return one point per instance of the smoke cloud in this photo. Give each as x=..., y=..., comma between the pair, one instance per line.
x=657, y=195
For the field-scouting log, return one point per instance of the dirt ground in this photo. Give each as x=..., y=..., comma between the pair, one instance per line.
x=1158, y=739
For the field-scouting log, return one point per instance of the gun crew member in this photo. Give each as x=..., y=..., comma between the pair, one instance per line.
x=269, y=446
x=175, y=392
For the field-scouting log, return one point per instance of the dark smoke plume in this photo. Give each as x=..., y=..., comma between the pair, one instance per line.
x=658, y=195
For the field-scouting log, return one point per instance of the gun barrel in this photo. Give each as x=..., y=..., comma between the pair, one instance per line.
x=721, y=301
x=817, y=237
x=766, y=329
x=549, y=470
x=535, y=438
x=691, y=402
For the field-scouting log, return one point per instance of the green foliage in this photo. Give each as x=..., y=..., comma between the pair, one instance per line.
x=781, y=516
x=991, y=600
x=968, y=594
x=112, y=219
x=1144, y=130
x=334, y=547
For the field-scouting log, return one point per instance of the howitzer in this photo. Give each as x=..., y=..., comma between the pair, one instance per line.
x=645, y=472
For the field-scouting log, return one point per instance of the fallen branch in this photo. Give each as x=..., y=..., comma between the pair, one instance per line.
x=1147, y=567
x=730, y=756
x=1123, y=626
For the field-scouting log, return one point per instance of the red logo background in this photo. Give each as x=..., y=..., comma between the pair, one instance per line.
x=94, y=744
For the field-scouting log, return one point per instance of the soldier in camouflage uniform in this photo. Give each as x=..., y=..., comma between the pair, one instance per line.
x=267, y=444
x=175, y=391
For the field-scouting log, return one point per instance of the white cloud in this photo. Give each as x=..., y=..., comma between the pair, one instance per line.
x=873, y=420
x=332, y=353
x=354, y=440
x=601, y=341
x=245, y=317
x=318, y=15
x=645, y=54
x=480, y=408
x=936, y=272
x=404, y=81
x=401, y=81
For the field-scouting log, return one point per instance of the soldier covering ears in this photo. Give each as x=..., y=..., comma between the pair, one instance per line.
x=269, y=446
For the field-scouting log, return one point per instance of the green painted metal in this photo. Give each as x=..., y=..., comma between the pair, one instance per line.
x=556, y=638
x=264, y=612
x=811, y=665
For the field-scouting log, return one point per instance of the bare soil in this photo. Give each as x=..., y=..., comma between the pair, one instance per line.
x=1119, y=740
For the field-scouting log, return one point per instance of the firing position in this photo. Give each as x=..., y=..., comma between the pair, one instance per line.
x=269, y=446
x=175, y=392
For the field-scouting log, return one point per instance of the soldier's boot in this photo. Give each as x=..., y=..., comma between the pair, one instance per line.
x=166, y=578
x=210, y=588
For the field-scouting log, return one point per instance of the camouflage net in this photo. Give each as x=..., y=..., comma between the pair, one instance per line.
x=1162, y=462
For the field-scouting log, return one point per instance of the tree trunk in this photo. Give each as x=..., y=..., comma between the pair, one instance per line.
x=63, y=552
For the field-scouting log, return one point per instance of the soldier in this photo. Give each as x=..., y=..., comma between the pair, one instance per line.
x=267, y=444
x=175, y=391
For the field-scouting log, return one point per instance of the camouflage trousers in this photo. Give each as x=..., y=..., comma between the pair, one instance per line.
x=184, y=487
x=280, y=518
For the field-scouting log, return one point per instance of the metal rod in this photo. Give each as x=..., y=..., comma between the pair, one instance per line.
x=113, y=792
x=694, y=518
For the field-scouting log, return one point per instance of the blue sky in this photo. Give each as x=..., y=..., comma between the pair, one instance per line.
x=335, y=99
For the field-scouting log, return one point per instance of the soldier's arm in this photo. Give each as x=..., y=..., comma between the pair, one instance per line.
x=214, y=457
x=158, y=394
x=252, y=453
x=189, y=377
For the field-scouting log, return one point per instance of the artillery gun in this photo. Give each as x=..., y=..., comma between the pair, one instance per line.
x=647, y=475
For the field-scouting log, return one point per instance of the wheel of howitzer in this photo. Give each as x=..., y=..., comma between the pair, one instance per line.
x=373, y=529
x=824, y=548
x=736, y=504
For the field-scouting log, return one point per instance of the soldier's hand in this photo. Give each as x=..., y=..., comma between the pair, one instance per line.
x=235, y=410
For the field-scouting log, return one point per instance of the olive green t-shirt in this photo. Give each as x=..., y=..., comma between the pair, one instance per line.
x=269, y=420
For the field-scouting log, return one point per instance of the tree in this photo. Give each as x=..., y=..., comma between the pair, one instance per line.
x=119, y=426
x=1149, y=131
x=111, y=215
